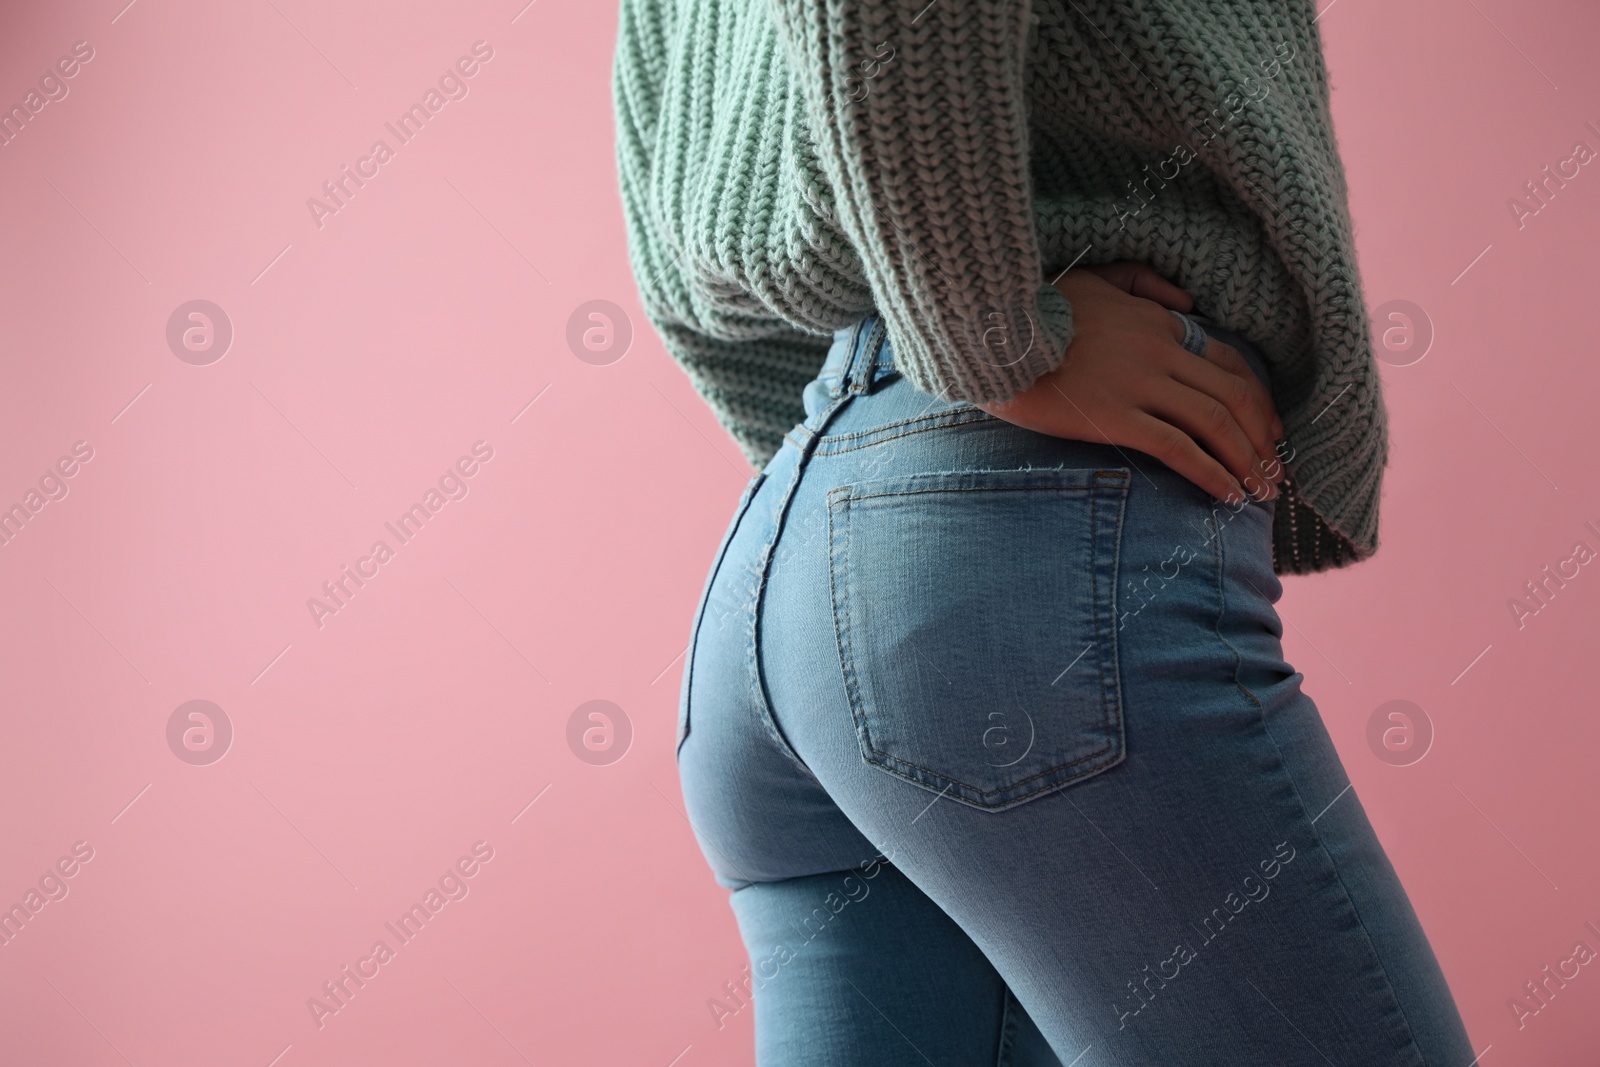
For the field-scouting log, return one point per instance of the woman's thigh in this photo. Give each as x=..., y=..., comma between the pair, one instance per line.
x=860, y=967
x=1044, y=677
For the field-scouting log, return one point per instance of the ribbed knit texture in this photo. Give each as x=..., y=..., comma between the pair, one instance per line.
x=787, y=166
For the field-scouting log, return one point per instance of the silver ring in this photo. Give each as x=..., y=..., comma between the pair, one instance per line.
x=1195, y=337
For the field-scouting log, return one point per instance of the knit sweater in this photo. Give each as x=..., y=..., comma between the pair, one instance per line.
x=788, y=166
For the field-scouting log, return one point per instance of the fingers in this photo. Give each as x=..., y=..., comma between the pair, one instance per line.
x=1224, y=375
x=1178, y=450
x=1228, y=358
x=1128, y=380
x=1212, y=423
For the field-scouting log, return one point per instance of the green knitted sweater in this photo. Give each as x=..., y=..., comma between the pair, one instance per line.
x=787, y=166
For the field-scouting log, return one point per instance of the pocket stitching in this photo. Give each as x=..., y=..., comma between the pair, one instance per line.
x=859, y=439
x=841, y=498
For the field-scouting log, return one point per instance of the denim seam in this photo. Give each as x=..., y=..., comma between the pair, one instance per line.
x=1106, y=617
x=842, y=631
x=745, y=499
x=973, y=413
x=1007, y=1053
x=877, y=435
x=980, y=489
x=1393, y=1008
x=764, y=565
x=801, y=435
x=841, y=617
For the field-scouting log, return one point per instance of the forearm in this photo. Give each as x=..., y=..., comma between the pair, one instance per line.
x=920, y=117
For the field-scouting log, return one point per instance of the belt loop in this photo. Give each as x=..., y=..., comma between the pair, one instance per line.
x=862, y=364
x=840, y=384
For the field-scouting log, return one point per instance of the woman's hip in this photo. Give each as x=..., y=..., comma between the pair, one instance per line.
x=985, y=601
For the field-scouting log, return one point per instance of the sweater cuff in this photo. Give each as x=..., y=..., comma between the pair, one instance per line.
x=1050, y=329
x=1056, y=325
x=999, y=360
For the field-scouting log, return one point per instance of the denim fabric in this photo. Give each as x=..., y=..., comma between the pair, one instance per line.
x=991, y=736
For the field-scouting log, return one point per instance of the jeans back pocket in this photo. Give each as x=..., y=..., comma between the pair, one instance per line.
x=976, y=622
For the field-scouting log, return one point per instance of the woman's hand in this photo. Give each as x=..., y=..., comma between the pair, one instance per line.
x=1128, y=380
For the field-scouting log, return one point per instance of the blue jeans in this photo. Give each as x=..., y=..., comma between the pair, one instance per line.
x=991, y=736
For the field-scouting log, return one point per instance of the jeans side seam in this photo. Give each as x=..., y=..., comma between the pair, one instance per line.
x=1394, y=1006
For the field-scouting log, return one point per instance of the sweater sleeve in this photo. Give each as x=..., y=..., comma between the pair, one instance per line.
x=753, y=384
x=919, y=114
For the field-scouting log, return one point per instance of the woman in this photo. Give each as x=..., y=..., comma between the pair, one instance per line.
x=985, y=720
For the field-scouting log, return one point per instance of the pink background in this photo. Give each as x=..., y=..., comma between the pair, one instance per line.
x=372, y=352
